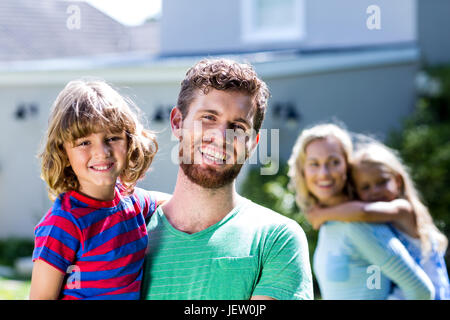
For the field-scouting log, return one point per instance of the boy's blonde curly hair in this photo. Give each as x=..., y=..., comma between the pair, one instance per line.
x=84, y=107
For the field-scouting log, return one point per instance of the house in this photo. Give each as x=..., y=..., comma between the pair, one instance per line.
x=57, y=29
x=354, y=60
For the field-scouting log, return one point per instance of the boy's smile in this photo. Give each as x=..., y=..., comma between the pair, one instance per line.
x=98, y=160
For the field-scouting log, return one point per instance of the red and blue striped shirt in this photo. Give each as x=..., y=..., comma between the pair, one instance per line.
x=99, y=245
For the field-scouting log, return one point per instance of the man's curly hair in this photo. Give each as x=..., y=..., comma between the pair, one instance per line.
x=226, y=75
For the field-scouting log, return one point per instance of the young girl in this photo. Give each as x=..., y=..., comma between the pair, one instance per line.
x=91, y=244
x=387, y=194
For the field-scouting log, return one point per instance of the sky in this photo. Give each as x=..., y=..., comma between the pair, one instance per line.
x=128, y=12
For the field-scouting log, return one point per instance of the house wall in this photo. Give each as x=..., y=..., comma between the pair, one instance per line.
x=433, y=31
x=366, y=100
x=343, y=23
x=328, y=24
x=22, y=193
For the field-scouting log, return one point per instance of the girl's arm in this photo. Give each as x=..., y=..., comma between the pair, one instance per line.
x=46, y=281
x=386, y=253
x=398, y=211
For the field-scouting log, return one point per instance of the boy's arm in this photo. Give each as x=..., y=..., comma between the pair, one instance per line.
x=358, y=211
x=46, y=281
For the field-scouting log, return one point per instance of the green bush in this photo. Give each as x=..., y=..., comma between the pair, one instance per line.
x=424, y=144
x=13, y=248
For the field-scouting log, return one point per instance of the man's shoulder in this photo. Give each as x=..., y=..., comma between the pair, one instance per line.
x=265, y=217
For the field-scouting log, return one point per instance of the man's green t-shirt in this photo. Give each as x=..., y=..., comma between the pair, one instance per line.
x=251, y=251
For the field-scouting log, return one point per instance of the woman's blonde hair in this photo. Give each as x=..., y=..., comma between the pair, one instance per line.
x=84, y=107
x=376, y=153
x=296, y=162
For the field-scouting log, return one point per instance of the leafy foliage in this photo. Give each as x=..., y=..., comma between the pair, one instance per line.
x=13, y=248
x=424, y=144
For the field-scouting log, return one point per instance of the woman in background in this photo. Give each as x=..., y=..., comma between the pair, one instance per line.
x=352, y=260
x=386, y=193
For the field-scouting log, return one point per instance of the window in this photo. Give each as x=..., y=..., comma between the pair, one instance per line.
x=272, y=20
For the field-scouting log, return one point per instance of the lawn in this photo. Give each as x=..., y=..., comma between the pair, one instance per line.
x=14, y=289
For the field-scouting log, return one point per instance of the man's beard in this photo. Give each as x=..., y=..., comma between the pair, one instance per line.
x=207, y=177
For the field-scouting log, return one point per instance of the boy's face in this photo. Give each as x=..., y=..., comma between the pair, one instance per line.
x=97, y=160
x=376, y=183
x=216, y=136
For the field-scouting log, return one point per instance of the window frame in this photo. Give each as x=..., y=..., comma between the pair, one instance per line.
x=251, y=34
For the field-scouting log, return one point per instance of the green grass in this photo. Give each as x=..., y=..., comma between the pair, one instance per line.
x=14, y=289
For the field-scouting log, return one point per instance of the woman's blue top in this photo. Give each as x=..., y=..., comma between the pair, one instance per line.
x=364, y=261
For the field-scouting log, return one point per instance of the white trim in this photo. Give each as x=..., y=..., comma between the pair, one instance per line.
x=331, y=62
x=251, y=35
x=116, y=75
x=61, y=71
x=172, y=71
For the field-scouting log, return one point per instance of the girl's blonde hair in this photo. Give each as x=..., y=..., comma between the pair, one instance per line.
x=376, y=153
x=85, y=107
x=297, y=159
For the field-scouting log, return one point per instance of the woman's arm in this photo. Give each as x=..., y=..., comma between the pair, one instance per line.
x=46, y=281
x=397, y=211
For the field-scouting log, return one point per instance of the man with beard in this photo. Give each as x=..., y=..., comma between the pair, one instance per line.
x=208, y=242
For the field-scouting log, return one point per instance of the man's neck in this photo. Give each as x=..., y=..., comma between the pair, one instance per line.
x=193, y=208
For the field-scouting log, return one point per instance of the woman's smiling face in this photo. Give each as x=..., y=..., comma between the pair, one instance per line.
x=325, y=170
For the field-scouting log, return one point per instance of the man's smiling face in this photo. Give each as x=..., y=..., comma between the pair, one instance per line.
x=216, y=136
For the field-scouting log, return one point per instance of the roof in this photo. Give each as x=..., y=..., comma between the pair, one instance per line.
x=32, y=30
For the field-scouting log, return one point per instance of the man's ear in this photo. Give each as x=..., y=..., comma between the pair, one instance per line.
x=255, y=144
x=176, y=120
